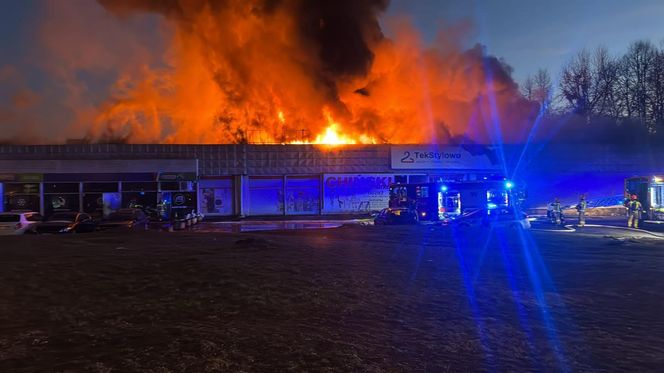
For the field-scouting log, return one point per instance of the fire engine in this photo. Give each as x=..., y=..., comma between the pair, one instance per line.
x=441, y=200
x=650, y=191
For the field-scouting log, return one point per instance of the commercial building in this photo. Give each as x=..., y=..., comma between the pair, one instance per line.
x=228, y=180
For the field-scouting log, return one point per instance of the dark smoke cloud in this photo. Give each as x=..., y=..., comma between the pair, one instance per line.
x=498, y=70
x=340, y=31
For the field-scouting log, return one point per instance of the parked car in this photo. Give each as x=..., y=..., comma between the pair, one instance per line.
x=67, y=222
x=396, y=216
x=500, y=217
x=13, y=223
x=130, y=218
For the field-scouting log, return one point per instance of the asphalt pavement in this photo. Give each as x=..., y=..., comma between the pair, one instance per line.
x=602, y=226
x=416, y=298
x=611, y=226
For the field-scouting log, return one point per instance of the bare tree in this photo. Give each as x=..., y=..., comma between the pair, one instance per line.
x=638, y=65
x=589, y=84
x=623, y=91
x=656, y=90
x=604, y=75
x=542, y=89
x=630, y=87
x=527, y=88
x=575, y=83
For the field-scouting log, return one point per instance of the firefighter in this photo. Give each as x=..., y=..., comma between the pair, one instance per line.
x=634, y=209
x=556, y=211
x=581, y=208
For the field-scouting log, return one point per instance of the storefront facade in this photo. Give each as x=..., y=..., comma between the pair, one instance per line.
x=92, y=186
x=227, y=180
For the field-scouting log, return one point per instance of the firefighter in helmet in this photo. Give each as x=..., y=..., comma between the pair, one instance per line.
x=634, y=208
x=581, y=208
x=557, y=211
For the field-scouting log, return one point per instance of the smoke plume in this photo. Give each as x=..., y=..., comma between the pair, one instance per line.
x=275, y=71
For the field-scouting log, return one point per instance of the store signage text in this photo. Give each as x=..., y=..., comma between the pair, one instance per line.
x=436, y=157
x=356, y=181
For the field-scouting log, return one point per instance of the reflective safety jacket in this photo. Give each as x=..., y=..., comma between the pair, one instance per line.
x=635, y=206
x=582, y=206
x=556, y=206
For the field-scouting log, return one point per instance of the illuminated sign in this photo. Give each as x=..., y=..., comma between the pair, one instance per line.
x=358, y=181
x=440, y=157
x=183, y=200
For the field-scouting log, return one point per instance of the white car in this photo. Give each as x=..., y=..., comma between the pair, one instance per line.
x=12, y=223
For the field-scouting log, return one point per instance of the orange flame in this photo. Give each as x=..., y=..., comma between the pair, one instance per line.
x=334, y=135
x=331, y=136
x=238, y=72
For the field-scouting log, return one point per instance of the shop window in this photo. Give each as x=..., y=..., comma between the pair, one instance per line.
x=266, y=196
x=93, y=203
x=21, y=202
x=189, y=186
x=21, y=188
x=100, y=187
x=61, y=202
x=181, y=203
x=302, y=195
x=141, y=200
x=139, y=186
x=170, y=185
x=61, y=187
x=356, y=193
x=216, y=196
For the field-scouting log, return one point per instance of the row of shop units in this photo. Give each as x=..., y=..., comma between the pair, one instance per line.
x=97, y=194
x=255, y=181
x=238, y=195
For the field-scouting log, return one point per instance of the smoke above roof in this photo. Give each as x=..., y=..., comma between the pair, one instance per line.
x=270, y=71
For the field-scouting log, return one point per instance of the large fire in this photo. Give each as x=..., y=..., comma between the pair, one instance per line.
x=274, y=71
x=333, y=134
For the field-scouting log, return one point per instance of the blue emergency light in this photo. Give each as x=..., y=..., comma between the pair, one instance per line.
x=509, y=185
x=443, y=188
